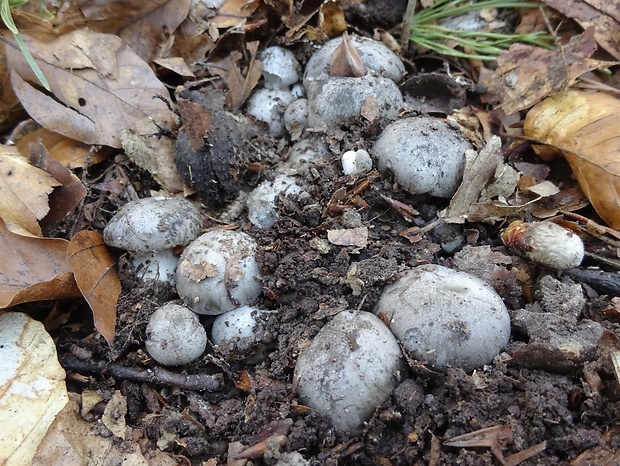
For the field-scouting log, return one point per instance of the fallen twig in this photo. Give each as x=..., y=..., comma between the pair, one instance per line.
x=157, y=376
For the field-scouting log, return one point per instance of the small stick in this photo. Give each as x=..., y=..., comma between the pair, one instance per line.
x=157, y=376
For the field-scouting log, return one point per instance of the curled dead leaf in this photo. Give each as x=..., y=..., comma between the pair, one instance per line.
x=96, y=275
x=33, y=269
x=100, y=87
x=586, y=128
x=24, y=191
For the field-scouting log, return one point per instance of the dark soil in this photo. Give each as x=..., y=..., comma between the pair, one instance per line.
x=554, y=383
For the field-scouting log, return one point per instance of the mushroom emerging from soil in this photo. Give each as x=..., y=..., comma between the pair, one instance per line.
x=423, y=155
x=175, y=336
x=545, y=243
x=149, y=229
x=445, y=317
x=349, y=369
x=350, y=76
x=218, y=272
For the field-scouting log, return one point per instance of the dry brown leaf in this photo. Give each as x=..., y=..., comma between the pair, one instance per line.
x=586, y=127
x=33, y=269
x=70, y=439
x=602, y=14
x=69, y=152
x=100, y=87
x=96, y=275
x=234, y=12
x=144, y=26
x=527, y=74
x=24, y=191
x=32, y=387
x=357, y=237
x=10, y=108
x=240, y=87
x=63, y=199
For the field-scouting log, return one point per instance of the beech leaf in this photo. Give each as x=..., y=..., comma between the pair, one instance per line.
x=100, y=87
x=96, y=275
x=32, y=387
x=585, y=127
x=33, y=269
x=24, y=191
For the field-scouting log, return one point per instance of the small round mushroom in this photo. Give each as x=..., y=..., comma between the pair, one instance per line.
x=349, y=369
x=268, y=106
x=218, y=272
x=237, y=328
x=423, y=155
x=445, y=317
x=342, y=99
x=356, y=162
x=149, y=229
x=280, y=68
x=175, y=336
x=262, y=200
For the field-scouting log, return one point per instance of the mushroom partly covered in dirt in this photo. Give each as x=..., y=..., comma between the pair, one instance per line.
x=545, y=243
x=175, y=336
x=218, y=272
x=349, y=76
x=445, y=317
x=423, y=155
x=349, y=369
x=149, y=229
x=262, y=200
x=238, y=329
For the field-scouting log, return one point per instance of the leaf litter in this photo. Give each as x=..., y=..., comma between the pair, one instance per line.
x=548, y=398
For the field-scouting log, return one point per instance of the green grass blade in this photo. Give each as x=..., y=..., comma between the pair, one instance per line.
x=7, y=18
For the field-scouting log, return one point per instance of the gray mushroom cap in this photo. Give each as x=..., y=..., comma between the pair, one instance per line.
x=153, y=224
x=374, y=55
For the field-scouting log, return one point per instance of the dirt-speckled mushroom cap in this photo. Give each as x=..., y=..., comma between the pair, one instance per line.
x=218, y=272
x=374, y=55
x=153, y=224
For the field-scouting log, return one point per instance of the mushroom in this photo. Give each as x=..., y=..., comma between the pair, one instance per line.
x=349, y=77
x=349, y=369
x=149, y=229
x=175, y=336
x=218, y=272
x=424, y=155
x=445, y=317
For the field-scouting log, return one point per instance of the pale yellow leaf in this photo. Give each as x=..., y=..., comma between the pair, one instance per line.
x=24, y=191
x=32, y=387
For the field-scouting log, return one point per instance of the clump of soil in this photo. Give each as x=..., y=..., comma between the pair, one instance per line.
x=537, y=386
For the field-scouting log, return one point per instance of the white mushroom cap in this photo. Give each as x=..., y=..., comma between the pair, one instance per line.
x=175, y=335
x=280, y=68
x=218, y=272
x=153, y=224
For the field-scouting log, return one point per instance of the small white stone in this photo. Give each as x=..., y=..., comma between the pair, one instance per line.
x=356, y=162
x=175, y=336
